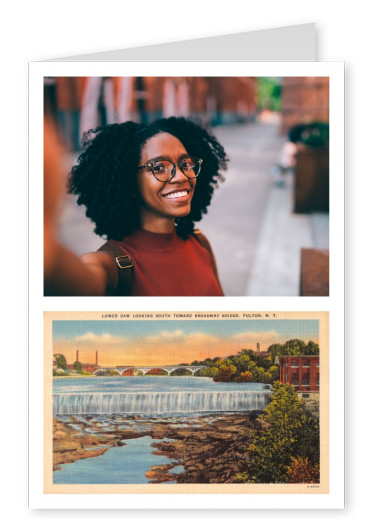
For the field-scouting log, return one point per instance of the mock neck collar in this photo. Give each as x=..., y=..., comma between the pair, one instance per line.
x=153, y=241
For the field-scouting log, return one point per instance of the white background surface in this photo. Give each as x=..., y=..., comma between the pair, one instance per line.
x=40, y=30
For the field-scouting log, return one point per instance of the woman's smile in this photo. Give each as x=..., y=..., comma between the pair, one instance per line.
x=179, y=195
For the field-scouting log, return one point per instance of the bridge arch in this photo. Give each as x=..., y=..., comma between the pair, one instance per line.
x=104, y=371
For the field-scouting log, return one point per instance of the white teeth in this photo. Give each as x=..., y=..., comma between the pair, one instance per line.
x=177, y=194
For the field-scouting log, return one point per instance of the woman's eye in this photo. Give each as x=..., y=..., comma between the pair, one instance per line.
x=159, y=167
x=188, y=164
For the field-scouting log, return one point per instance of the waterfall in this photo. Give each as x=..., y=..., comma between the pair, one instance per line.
x=158, y=402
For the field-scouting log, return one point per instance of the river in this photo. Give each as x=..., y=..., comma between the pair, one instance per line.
x=141, y=408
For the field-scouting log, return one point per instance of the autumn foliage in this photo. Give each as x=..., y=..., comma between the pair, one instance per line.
x=245, y=376
x=302, y=471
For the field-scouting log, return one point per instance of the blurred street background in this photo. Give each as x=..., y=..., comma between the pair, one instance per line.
x=269, y=220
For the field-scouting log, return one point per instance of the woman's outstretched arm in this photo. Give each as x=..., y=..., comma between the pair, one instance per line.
x=64, y=272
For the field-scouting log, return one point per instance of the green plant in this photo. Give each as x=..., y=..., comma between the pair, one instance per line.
x=315, y=134
x=289, y=432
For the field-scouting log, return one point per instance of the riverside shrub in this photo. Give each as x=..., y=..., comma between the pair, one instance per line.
x=293, y=434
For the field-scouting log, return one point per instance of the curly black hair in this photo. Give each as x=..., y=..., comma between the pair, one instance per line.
x=105, y=176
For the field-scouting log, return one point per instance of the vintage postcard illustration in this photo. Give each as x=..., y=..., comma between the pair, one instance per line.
x=186, y=402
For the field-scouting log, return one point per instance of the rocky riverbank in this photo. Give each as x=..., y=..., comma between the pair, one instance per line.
x=211, y=448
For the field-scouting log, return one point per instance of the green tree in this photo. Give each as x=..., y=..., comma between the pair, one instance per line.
x=312, y=349
x=77, y=366
x=269, y=92
x=242, y=362
x=61, y=362
x=209, y=372
x=181, y=372
x=250, y=353
x=258, y=374
x=273, y=374
x=208, y=361
x=294, y=347
x=291, y=433
x=276, y=351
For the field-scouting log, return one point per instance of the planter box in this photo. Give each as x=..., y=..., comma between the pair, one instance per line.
x=311, y=187
x=314, y=273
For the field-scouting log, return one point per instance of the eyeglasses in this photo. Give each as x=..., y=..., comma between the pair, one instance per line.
x=165, y=170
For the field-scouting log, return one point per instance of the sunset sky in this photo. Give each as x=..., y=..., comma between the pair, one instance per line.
x=165, y=342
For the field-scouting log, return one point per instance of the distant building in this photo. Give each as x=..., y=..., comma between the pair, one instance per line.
x=97, y=101
x=304, y=100
x=303, y=372
x=88, y=367
x=264, y=354
x=157, y=370
x=216, y=100
x=128, y=372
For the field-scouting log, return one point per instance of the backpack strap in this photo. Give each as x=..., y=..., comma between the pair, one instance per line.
x=125, y=268
x=204, y=242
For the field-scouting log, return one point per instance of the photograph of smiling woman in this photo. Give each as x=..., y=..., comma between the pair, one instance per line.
x=144, y=187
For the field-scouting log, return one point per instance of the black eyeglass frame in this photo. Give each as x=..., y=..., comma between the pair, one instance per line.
x=150, y=165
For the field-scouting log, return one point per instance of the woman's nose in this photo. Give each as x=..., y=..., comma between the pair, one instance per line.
x=178, y=176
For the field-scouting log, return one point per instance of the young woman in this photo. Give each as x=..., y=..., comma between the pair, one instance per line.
x=144, y=187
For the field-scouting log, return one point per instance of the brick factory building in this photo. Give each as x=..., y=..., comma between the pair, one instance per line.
x=88, y=367
x=303, y=372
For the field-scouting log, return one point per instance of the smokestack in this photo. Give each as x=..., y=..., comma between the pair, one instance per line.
x=76, y=355
x=96, y=358
x=258, y=348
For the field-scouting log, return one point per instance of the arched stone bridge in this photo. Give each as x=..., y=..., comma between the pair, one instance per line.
x=144, y=370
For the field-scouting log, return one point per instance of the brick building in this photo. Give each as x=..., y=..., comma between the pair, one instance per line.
x=89, y=102
x=128, y=372
x=216, y=100
x=88, y=367
x=304, y=100
x=155, y=371
x=303, y=372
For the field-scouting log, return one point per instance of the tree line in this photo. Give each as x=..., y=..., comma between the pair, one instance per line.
x=248, y=366
x=62, y=367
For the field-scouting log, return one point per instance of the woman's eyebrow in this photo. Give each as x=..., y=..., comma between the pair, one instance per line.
x=166, y=157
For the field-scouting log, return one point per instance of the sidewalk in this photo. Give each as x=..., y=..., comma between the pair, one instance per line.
x=236, y=214
x=256, y=237
x=276, y=267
